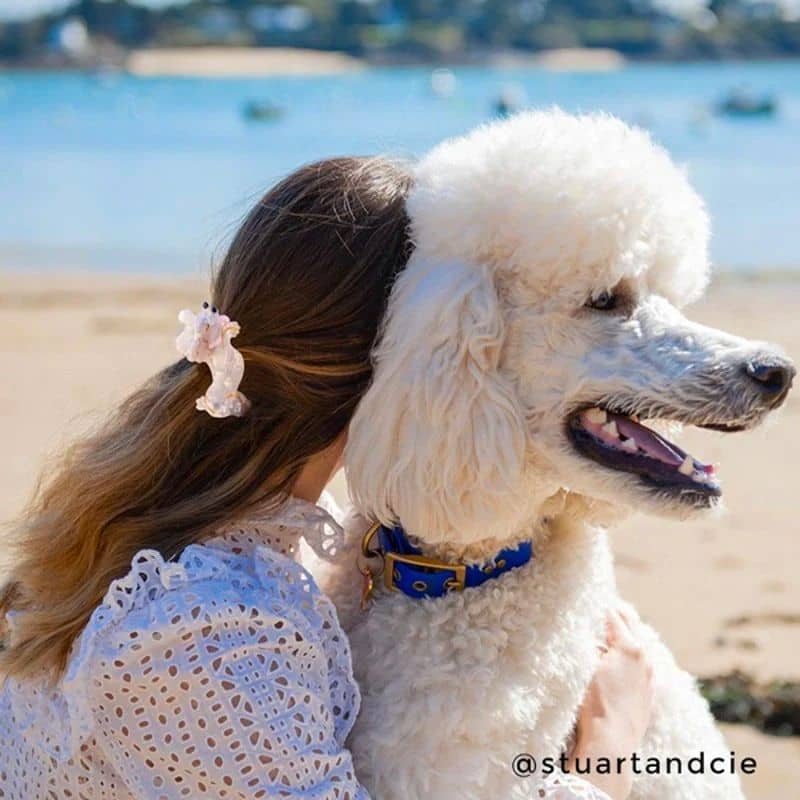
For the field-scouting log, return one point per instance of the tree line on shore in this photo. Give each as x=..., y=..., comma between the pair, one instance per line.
x=427, y=31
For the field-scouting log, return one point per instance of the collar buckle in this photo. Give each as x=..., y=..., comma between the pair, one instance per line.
x=457, y=582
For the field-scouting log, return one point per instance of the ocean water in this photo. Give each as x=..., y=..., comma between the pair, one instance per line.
x=119, y=173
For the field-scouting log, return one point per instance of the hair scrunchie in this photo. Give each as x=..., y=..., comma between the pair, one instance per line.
x=206, y=339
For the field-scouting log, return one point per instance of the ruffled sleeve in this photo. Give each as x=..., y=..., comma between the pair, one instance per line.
x=201, y=680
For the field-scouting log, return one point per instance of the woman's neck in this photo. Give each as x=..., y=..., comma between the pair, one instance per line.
x=318, y=471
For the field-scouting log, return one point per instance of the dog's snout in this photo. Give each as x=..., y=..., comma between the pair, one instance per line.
x=773, y=377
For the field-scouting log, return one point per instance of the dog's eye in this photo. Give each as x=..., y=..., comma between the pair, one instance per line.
x=605, y=301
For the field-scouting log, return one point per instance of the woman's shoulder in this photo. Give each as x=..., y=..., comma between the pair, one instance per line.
x=205, y=581
x=206, y=590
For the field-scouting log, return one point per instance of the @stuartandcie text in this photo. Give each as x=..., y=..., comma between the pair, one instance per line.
x=525, y=765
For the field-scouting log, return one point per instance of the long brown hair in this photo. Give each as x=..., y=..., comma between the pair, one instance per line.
x=307, y=276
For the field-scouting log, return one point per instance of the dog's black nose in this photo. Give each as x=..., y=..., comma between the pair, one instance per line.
x=774, y=378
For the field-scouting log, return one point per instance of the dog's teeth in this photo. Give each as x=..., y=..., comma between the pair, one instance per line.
x=687, y=468
x=630, y=445
x=705, y=477
x=611, y=429
x=596, y=416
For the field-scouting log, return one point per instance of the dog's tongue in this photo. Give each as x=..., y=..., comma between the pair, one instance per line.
x=623, y=433
x=648, y=440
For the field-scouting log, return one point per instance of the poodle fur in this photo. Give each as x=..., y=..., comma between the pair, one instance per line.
x=486, y=349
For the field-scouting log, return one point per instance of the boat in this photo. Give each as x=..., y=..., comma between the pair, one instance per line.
x=510, y=100
x=261, y=111
x=741, y=103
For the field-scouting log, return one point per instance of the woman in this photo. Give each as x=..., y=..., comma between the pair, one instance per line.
x=162, y=638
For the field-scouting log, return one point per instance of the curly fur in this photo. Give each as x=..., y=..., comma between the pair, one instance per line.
x=486, y=348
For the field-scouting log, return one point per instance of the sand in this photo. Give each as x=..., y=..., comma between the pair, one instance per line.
x=581, y=59
x=723, y=591
x=561, y=59
x=236, y=62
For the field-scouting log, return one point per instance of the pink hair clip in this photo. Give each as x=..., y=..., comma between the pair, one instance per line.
x=206, y=339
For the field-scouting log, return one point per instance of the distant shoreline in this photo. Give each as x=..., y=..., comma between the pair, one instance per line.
x=242, y=62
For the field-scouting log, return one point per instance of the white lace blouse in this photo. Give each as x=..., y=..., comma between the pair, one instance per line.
x=222, y=674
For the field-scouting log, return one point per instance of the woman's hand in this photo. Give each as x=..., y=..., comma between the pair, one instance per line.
x=616, y=709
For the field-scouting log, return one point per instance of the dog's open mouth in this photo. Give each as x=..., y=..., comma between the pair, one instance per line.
x=624, y=444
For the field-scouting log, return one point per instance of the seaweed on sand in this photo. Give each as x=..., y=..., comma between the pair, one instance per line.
x=773, y=707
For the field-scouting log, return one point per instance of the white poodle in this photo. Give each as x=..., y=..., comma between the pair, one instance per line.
x=531, y=347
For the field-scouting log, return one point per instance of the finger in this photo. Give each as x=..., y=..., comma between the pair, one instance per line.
x=623, y=637
x=626, y=616
x=614, y=628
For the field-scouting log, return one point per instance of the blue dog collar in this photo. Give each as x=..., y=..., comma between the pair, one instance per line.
x=417, y=576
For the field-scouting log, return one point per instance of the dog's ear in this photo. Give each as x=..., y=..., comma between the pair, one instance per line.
x=438, y=441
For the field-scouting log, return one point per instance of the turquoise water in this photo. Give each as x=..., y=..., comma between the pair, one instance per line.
x=116, y=172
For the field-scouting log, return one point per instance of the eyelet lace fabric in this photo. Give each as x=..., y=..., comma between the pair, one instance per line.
x=223, y=674
x=568, y=787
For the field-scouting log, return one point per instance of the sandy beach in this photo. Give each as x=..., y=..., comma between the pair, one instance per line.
x=239, y=62
x=723, y=591
x=227, y=62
